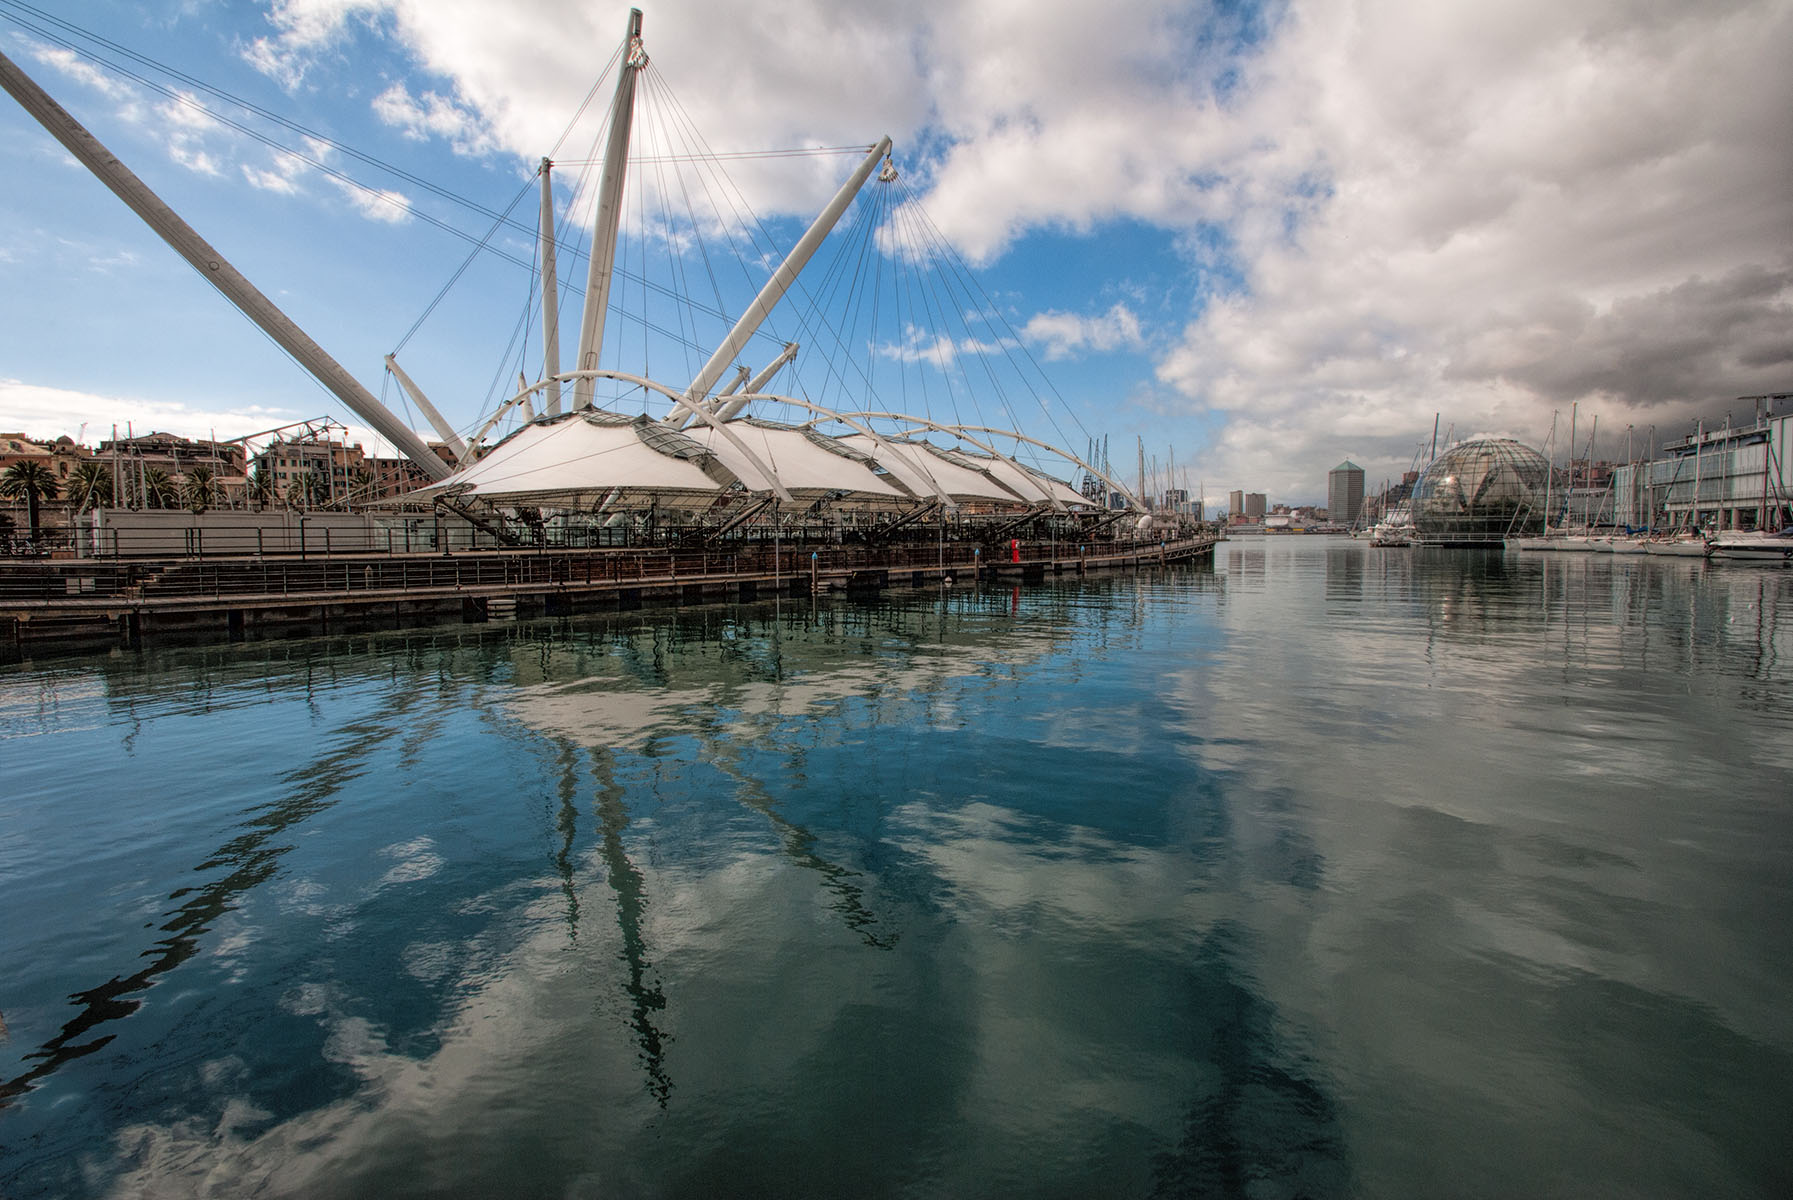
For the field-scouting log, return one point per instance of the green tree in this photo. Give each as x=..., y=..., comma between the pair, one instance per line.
x=90, y=485
x=307, y=490
x=364, y=486
x=201, y=489
x=34, y=482
x=159, y=491
x=261, y=486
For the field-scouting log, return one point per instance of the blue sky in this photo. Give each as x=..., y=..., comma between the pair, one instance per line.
x=1269, y=236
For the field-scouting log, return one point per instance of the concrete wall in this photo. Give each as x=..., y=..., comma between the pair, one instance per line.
x=132, y=533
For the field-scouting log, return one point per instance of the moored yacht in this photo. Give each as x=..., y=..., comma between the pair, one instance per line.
x=1753, y=545
x=1678, y=545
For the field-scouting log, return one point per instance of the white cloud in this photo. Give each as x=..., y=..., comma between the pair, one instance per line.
x=920, y=346
x=304, y=29
x=1522, y=206
x=126, y=101
x=51, y=412
x=381, y=204
x=1393, y=208
x=281, y=177
x=842, y=76
x=938, y=350
x=116, y=258
x=1064, y=334
x=433, y=116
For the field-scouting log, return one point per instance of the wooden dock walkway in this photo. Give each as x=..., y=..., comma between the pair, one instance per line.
x=70, y=604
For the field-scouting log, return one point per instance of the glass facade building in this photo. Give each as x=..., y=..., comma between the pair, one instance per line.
x=1716, y=478
x=1479, y=493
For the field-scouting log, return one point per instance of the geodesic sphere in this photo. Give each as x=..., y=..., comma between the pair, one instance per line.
x=1479, y=492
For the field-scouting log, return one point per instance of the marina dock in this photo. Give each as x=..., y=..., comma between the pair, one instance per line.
x=51, y=605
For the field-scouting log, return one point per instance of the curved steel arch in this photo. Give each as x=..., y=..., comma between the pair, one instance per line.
x=1051, y=500
x=1064, y=454
x=965, y=432
x=851, y=421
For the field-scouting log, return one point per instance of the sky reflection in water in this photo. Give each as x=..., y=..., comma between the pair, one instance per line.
x=1326, y=871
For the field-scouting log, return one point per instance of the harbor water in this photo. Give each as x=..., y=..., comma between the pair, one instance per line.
x=1326, y=870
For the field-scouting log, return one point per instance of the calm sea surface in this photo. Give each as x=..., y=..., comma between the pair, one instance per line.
x=1326, y=871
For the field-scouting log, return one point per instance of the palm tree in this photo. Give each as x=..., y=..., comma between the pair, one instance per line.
x=307, y=490
x=365, y=485
x=159, y=491
x=202, y=489
x=33, y=481
x=261, y=486
x=90, y=485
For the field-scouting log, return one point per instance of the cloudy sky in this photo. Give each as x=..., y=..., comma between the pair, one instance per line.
x=1261, y=237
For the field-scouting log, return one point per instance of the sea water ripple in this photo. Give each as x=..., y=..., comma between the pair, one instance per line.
x=1326, y=870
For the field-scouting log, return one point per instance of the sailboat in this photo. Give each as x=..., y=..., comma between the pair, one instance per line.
x=1623, y=541
x=1687, y=541
x=1543, y=539
x=1584, y=540
x=1396, y=529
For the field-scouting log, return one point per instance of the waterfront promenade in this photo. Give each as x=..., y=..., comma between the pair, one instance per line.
x=55, y=604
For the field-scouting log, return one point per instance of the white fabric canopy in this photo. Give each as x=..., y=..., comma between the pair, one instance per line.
x=803, y=463
x=962, y=481
x=592, y=458
x=1023, y=483
x=905, y=464
x=1063, y=492
x=581, y=458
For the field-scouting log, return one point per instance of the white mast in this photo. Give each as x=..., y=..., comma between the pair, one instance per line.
x=1549, y=470
x=782, y=278
x=1699, y=450
x=550, y=296
x=435, y=418
x=610, y=211
x=212, y=265
x=758, y=382
x=1569, y=495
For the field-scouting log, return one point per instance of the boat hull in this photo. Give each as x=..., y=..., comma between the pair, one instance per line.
x=1769, y=548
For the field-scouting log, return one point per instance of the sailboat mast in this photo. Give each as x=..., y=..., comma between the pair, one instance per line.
x=1549, y=470
x=550, y=296
x=610, y=211
x=1587, y=514
x=214, y=268
x=1649, y=487
x=1699, y=450
x=1569, y=492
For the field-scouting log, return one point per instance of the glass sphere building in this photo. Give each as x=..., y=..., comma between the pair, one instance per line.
x=1480, y=492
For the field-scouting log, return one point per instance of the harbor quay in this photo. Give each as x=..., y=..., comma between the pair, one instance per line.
x=57, y=605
